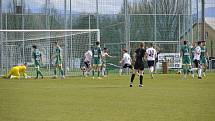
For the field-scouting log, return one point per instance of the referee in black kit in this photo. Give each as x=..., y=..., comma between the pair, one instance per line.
x=139, y=64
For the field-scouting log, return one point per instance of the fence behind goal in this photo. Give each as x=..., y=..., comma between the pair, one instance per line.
x=16, y=48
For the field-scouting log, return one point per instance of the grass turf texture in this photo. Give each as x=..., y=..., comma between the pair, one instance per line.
x=165, y=98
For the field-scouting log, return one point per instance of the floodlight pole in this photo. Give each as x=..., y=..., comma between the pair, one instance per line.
x=191, y=21
x=127, y=20
x=203, y=20
x=197, y=7
x=70, y=12
x=65, y=39
x=1, y=63
x=155, y=26
x=23, y=33
x=97, y=14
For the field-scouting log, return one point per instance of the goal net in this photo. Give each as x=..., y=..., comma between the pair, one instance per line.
x=16, y=48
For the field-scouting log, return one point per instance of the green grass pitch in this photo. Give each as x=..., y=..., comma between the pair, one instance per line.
x=165, y=98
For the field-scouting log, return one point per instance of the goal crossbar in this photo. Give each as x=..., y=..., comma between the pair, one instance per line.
x=42, y=38
x=53, y=30
x=46, y=30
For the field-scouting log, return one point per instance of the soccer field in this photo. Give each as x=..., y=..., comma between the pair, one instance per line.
x=165, y=98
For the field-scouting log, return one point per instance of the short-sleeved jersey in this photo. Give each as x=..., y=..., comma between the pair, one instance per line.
x=88, y=56
x=151, y=54
x=140, y=53
x=203, y=52
x=104, y=55
x=192, y=51
x=126, y=59
x=185, y=49
x=58, y=53
x=197, y=53
x=36, y=55
x=97, y=53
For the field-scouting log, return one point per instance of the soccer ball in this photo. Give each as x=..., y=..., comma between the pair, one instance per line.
x=28, y=77
x=179, y=72
x=83, y=69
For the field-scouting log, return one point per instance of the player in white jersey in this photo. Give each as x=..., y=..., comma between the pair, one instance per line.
x=104, y=56
x=87, y=62
x=197, y=54
x=126, y=60
x=192, y=58
x=151, y=54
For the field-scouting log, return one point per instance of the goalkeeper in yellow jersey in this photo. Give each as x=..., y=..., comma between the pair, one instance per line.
x=17, y=71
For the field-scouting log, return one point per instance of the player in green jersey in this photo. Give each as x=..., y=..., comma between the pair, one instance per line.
x=97, y=56
x=58, y=60
x=37, y=57
x=203, y=57
x=185, y=54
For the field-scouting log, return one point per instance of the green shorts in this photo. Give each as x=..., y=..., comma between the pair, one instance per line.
x=96, y=61
x=186, y=61
x=58, y=61
x=203, y=60
x=37, y=63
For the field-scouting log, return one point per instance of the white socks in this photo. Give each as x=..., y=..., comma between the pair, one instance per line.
x=200, y=72
x=103, y=71
x=151, y=69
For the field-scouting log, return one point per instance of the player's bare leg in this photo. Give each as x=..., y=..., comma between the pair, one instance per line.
x=60, y=66
x=55, y=73
x=141, y=78
x=200, y=72
x=204, y=69
x=192, y=70
x=93, y=71
x=38, y=72
x=152, y=71
x=184, y=66
x=98, y=71
x=133, y=76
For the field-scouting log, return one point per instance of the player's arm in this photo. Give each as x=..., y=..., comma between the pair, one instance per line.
x=107, y=55
x=100, y=53
x=41, y=60
x=181, y=53
x=146, y=55
x=122, y=60
x=206, y=54
x=25, y=74
x=134, y=56
x=156, y=54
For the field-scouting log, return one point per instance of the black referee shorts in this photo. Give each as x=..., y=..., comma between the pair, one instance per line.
x=139, y=65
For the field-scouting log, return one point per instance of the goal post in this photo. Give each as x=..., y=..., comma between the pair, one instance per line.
x=16, y=48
